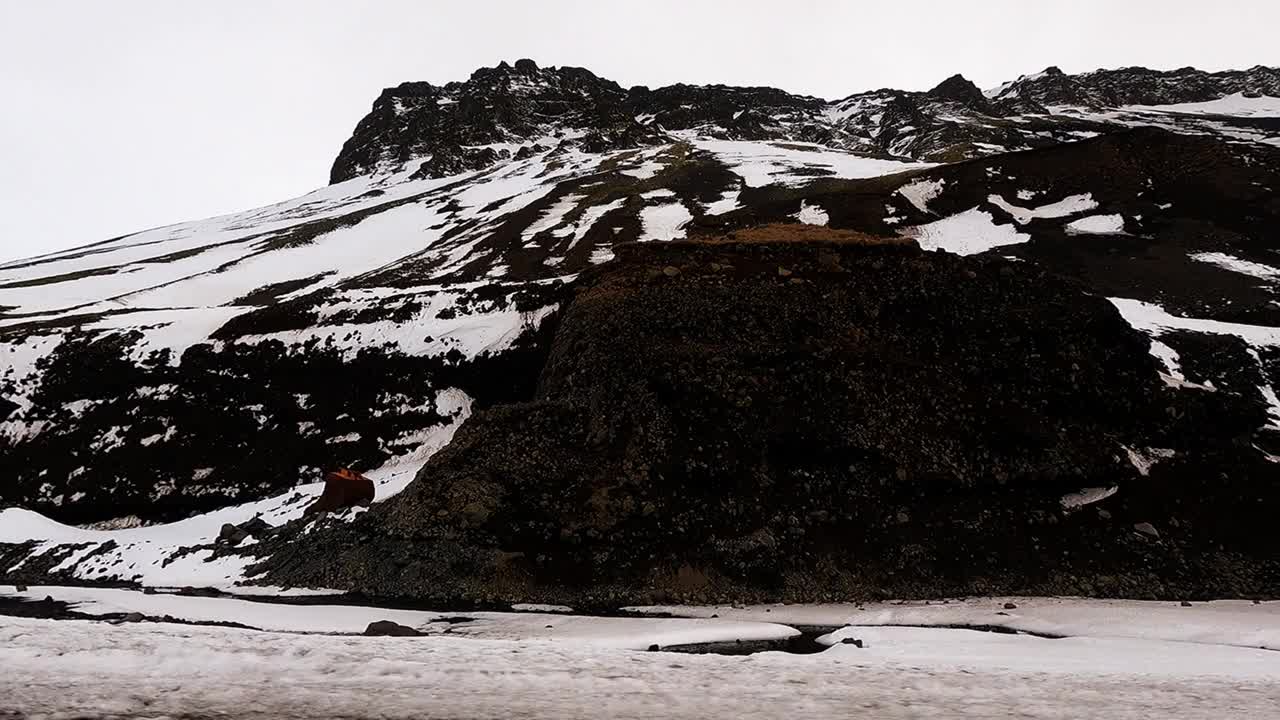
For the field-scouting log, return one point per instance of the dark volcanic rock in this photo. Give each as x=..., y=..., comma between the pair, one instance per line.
x=1141, y=86
x=501, y=104
x=446, y=128
x=343, y=489
x=386, y=628
x=959, y=89
x=726, y=432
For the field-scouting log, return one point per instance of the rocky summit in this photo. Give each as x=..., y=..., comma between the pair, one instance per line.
x=599, y=345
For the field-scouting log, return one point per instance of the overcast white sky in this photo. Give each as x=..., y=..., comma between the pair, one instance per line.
x=127, y=114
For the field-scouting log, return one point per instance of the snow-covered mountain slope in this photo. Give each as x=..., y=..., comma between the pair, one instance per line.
x=185, y=369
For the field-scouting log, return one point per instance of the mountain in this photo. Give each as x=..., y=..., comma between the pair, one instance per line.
x=207, y=372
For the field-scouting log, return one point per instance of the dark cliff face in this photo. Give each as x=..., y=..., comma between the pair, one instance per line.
x=808, y=418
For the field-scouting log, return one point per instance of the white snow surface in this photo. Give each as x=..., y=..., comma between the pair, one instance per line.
x=1237, y=623
x=622, y=633
x=1235, y=105
x=920, y=192
x=967, y=233
x=728, y=202
x=811, y=214
x=1240, y=265
x=760, y=164
x=664, y=222
x=1067, y=206
x=941, y=648
x=1097, y=225
x=79, y=669
x=1154, y=320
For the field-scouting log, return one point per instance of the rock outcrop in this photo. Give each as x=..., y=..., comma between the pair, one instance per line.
x=343, y=489
x=829, y=417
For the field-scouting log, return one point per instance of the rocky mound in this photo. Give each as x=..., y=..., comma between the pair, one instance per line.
x=819, y=419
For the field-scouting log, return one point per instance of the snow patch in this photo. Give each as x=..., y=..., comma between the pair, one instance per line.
x=811, y=214
x=920, y=192
x=663, y=222
x=1235, y=105
x=968, y=233
x=1153, y=319
x=1097, y=225
x=1067, y=206
x=1235, y=264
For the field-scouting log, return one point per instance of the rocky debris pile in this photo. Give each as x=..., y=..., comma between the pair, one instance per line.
x=234, y=534
x=819, y=420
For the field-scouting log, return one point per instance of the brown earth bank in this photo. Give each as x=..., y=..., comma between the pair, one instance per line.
x=823, y=418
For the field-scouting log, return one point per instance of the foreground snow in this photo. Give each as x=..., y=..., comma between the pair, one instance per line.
x=1238, y=623
x=82, y=669
x=621, y=633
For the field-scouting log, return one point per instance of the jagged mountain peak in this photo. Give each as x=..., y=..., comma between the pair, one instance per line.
x=504, y=110
x=958, y=88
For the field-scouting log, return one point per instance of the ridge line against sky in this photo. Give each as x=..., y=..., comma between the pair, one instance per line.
x=138, y=113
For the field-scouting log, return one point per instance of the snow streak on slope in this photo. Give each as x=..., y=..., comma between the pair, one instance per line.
x=967, y=233
x=760, y=164
x=1236, y=105
x=1097, y=225
x=1062, y=208
x=1155, y=321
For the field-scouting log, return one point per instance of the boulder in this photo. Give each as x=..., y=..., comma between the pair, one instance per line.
x=386, y=628
x=343, y=488
x=257, y=527
x=1147, y=529
x=232, y=534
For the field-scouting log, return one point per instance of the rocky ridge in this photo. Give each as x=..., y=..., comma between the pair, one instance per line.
x=502, y=111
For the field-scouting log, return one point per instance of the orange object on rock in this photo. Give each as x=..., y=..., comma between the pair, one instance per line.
x=343, y=488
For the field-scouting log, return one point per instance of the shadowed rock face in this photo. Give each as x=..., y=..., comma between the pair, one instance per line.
x=817, y=419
